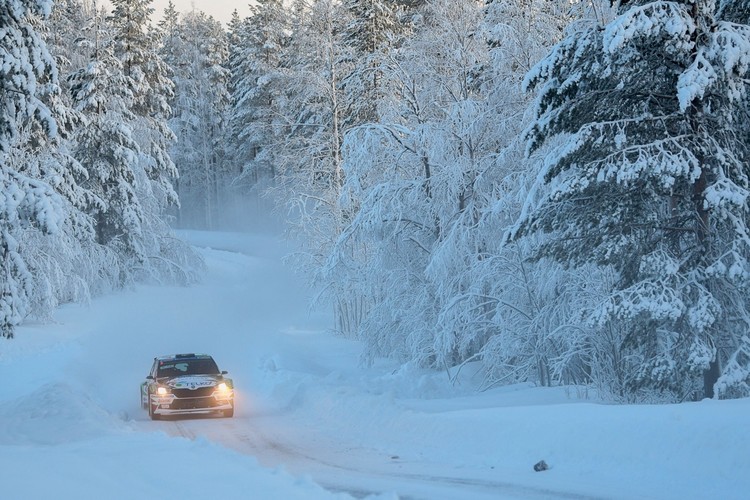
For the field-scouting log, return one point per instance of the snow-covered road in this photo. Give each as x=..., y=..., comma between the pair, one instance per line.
x=263, y=314
x=360, y=472
x=310, y=421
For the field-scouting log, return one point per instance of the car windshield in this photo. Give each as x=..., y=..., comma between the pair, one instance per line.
x=177, y=367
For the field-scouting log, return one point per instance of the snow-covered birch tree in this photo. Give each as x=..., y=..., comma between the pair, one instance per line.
x=410, y=177
x=520, y=318
x=309, y=158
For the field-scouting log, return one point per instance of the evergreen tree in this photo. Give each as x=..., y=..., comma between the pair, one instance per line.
x=24, y=202
x=735, y=11
x=256, y=63
x=168, y=26
x=197, y=50
x=371, y=34
x=150, y=89
x=234, y=46
x=148, y=80
x=64, y=26
x=106, y=148
x=60, y=264
x=650, y=180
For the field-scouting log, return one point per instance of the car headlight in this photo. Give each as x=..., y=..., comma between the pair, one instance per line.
x=162, y=391
x=223, y=387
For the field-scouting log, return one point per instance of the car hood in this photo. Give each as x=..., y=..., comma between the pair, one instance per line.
x=193, y=381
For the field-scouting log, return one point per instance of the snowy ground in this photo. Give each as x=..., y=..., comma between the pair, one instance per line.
x=312, y=423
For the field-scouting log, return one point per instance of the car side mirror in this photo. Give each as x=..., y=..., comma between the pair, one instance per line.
x=224, y=372
x=149, y=377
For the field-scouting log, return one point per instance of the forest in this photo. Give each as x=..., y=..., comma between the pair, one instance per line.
x=553, y=191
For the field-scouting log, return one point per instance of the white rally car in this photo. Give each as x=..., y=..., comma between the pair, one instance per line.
x=187, y=384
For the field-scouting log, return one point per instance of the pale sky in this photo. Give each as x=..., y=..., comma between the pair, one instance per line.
x=221, y=10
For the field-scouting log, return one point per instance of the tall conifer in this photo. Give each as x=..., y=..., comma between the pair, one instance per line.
x=650, y=180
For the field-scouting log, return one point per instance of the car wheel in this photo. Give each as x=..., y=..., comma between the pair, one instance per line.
x=228, y=413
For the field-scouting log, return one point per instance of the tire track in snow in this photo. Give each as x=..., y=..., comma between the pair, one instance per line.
x=244, y=435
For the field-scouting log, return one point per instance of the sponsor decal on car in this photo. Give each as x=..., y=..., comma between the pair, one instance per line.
x=192, y=383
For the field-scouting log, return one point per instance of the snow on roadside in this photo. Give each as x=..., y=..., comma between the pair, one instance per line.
x=691, y=450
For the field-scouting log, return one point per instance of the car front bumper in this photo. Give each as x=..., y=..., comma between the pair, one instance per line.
x=171, y=405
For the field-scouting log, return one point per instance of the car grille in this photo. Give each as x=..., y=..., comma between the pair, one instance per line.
x=200, y=392
x=193, y=403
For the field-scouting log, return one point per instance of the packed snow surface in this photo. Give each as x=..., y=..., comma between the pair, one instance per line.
x=311, y=422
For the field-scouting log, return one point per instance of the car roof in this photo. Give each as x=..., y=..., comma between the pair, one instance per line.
x=174, y=357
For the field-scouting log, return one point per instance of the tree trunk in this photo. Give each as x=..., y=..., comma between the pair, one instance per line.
x=695, y=115
x=711, y=376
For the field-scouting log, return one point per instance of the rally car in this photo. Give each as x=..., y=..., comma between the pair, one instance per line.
x=187, y=384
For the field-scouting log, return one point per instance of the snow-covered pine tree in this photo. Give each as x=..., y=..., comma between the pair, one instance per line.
x=63, y=28
x=649, y=180
x=170, y=36
x=24, y=202
x=168, y=27
x=147, y=80
x=107, y=150
x=234, y=46
x=136, y=45
x=734, y=11
x=196, y=49
x=371, y=33
x=256, y=62
x=63, y=266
